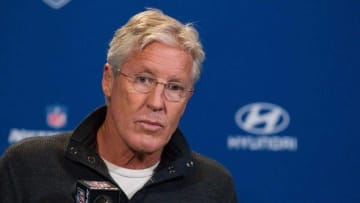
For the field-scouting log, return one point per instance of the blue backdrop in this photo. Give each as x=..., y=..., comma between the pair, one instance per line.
x=277, y=102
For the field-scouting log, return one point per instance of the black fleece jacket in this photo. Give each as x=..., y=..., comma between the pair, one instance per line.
x=45, y=169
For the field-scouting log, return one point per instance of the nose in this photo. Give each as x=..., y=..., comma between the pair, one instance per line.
x=155, y=100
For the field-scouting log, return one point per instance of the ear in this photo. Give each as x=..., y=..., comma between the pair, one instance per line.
x=188, y=97
x=107, y=80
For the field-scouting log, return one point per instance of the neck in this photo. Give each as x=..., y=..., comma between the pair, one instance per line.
x=111, y=147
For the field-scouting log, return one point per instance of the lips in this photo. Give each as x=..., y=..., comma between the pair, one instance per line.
x=151, y=125
x=152, y=122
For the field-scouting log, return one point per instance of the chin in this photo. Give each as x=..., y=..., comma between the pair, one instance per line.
x=149, y=147
x=147, y=143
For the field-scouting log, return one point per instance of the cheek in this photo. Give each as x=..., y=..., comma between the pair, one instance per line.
x=124, y=96
x=124, y=104
x=175, y=114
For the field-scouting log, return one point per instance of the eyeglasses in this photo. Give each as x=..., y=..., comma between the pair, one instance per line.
x=143, y=83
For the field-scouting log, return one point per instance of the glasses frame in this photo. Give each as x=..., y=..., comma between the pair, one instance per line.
x=165, y=91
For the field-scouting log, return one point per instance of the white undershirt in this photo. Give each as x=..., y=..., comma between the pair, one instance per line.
x=130, y=180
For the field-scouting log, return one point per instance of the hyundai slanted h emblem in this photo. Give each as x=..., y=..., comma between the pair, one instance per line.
x=56, y=4
x=262, y=118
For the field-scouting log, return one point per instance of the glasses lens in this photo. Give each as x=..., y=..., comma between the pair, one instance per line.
x=172, y=96
x=141, y=87
x=144, y=84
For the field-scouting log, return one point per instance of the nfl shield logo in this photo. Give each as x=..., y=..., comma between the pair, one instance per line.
x=56, y=4
x=56, y=116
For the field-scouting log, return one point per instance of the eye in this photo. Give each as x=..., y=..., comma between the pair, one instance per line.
x=175, y=87
x=144, y=79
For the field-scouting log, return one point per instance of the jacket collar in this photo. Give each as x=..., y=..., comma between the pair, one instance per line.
x=176, y=159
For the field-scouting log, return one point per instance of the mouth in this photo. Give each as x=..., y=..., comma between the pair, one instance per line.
x=150, y=125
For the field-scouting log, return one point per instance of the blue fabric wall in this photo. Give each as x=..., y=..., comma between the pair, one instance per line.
x=293, y=63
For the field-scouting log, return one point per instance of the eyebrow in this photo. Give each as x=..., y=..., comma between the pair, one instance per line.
x=147, y=70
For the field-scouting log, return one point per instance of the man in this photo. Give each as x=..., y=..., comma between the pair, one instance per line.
x=133, y=142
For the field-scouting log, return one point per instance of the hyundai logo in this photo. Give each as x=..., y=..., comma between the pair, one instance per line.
x=262, y=118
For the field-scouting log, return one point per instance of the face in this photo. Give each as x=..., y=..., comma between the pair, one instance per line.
x=144, y=122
